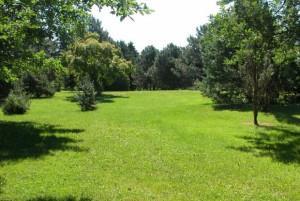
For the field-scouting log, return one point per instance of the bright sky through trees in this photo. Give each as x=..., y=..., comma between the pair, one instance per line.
x=172, y=22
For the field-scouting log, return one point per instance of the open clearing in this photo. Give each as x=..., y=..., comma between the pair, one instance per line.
x=162, y=145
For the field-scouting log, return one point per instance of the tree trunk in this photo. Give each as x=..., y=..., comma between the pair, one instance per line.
x=255, y=114
x=255, y=102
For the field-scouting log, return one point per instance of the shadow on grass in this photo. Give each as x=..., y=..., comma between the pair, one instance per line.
x=104, y=98
x=68, y=198
x=286, y=114
x=280, y=144
x=71, y=99
x=108, y=98
x=283, y=114
x=20, y=140
x=232, y=107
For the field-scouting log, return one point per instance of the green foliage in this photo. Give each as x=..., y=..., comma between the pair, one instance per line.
x=165, y=64
x=124, y=8
x=222, y=83
x=243, y=52
x=101, y=61
x=39, y=74
x=86, y=96
x=40, y=66
x=70, y=81
x=290, y=83
x=38, y=85
x=17, y=102
x=171, y=68
x=189, y=67
x=5, y=88
x=145, y=73
x=95, y=26
x=27, y=27
x=128, y=51
x=121, y=83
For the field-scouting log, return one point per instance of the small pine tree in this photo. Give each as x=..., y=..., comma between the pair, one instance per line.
x=86, y=97
x=17, y=101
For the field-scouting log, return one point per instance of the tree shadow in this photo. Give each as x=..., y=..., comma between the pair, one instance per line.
x=68, y=198
x=232, y=107
x=20, y=140
x=104, y=98
x=108, y=98
x=71, y=99
x=283, y=114
x=280, y=144
x=286, y=114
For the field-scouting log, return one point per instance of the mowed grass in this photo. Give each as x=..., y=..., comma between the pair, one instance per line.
x=161, y=145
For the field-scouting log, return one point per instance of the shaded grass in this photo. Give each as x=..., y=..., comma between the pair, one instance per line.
x=162, y=145
x=281, y=143
x=278, y=143
x=285, y=114
x=26, y=139
x=104, y=98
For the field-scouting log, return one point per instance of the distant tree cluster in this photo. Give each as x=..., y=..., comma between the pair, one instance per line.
x=171, y=68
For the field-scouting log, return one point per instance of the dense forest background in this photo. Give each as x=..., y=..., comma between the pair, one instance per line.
x=247, y=53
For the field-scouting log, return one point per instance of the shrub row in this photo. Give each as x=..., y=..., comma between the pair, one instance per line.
x=17, y=101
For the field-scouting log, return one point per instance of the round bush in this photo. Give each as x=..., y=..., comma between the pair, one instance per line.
x=16, y=103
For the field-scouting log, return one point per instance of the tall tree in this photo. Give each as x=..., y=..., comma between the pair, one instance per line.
x=188, y=67
x=220, y=82
x=252, y=31
x=165, y=64
x=144, y=75
x=95, y=26
x=128, y=50
x=101, y=61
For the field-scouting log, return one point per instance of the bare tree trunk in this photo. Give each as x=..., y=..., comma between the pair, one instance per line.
x=255, y=114
x=255, y=95
x=255, y=105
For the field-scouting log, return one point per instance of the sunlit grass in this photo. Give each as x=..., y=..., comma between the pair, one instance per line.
x=161, y=145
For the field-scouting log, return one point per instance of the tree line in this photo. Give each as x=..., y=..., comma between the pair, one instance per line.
x=247, y=53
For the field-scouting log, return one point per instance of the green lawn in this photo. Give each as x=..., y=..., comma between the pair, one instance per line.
x=162, y=145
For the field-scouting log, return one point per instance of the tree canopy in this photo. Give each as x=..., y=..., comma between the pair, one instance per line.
x=102, y=61
x=246, y=46
x=28, y=26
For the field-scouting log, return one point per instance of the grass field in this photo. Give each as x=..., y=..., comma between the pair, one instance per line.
x=162, y=145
